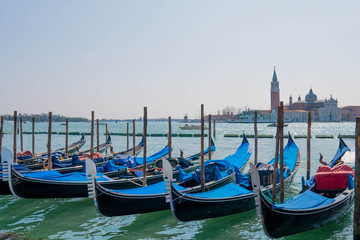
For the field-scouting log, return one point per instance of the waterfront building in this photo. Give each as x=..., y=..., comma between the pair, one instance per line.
x=322, y=110
x=349, y=113
x=296, y=111
x=330, y=112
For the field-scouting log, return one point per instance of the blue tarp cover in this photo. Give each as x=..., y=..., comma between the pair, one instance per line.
x=241, y=156
x=220, y=174
x=290, y=155
x=128, y=161
x=242, y=179
x=306, y=200
x=163, y=152
x=351, y=181
x=217, y=169
x=224, y=168
x=131, y=161
x=157, y=188
x=184, y=176
x=68, y=177
x=339, y=153
x=111, y=167
x=195, y=156
x=229, y=190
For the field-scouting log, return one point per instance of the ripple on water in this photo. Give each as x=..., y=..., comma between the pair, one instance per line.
x=186, y=230
x=97, y=228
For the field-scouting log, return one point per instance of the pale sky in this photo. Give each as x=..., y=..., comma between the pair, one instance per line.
x=115, y=57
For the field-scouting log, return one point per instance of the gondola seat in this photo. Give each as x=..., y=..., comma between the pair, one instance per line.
x=330, y=179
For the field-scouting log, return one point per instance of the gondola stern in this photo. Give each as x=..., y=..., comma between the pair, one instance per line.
x=90, y=175
x=169, y=187
x=13, y=175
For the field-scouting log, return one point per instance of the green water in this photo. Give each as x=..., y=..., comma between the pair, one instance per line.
x=78, y=218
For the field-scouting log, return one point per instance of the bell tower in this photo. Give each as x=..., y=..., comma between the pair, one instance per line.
x=275, y=92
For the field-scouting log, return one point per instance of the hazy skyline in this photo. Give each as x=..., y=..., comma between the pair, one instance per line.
x=115, y=57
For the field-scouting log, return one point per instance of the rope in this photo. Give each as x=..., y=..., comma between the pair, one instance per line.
x=270, y=200
x=140, y=185
x=302, y=165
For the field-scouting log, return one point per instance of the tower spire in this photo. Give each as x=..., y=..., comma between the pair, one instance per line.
x=275, y=91
x=274, y=75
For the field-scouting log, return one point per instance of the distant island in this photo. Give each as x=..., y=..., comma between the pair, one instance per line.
x=44, y=117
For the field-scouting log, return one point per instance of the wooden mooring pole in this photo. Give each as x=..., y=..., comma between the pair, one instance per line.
x=49, y=143
x=281, y=139
x=127, y=135
x=14, y=145
x=21, y=136
x=106, y=135
x=133, y=137
x=202, y=150
x=33, y=135
x=356, y=225
x=1, y=132
x=106, y=132
x=97, y=136
x=308, y=147
x=144, y=152
x=256, y=137
x=169, y=138
x=66, y=135
x=209, y=137
x=214, y=129
x=92, y=136
x=276, y=160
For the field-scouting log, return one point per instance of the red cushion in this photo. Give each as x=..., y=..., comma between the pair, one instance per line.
x=343, y=168
x=323, y=168
x=335, y=179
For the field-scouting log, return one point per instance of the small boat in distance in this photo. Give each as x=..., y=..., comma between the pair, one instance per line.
x=192, y=127
x=275, y=125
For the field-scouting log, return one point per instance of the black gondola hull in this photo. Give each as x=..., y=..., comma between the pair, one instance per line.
x=25, y=187
x=280, y=223
x=112, y=204
x=4, y=188
x=186, y=208
x=191, y=209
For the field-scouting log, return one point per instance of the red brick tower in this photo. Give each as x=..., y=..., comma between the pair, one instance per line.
x=275, y=92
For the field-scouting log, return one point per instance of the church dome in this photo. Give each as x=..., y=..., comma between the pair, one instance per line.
x=310, y=97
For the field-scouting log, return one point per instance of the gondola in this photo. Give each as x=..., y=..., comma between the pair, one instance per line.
x=152, y=198
x=324, y=198
x=52, y=184
x=230, y=199
x=102, y=147
x=191, y=163
x=39, y=164
x=74, y=147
